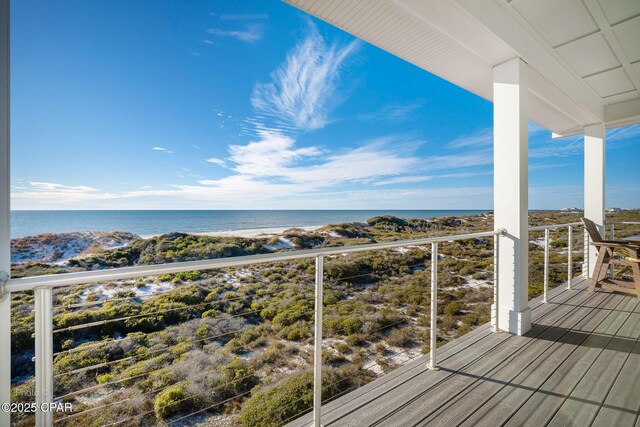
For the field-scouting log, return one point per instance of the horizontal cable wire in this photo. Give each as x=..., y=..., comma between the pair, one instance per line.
x=82, y=348
x=136, y=316
x=175, y=402
x=143, y=297
x=100, y=365
x=106, y=405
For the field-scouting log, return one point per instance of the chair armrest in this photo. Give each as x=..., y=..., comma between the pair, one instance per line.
x=617, y=244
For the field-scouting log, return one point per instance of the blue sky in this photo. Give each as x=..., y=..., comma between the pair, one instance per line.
x=253, y=105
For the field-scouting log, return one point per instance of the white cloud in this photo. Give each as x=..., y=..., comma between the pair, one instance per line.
x=270, y=156
x=481, y=138
x=303, y=87
x=250, y=33
x=49, y=194
x=394, y=112
x=478, y=158
x=162, y=150
x=50, y=186
x=216, y=161
x=404, y=180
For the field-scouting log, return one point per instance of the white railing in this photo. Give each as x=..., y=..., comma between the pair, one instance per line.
x=612, y=227
x=547, y=229
x=43, y=305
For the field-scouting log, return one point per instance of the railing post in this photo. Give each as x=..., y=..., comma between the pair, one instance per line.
x=5, y=212
x=585, y=248
x=434, y=306
x=44, y=355
x=317, y=357
x=496, y=254
x=570, y=257
x=546, y=264
x=5, y=350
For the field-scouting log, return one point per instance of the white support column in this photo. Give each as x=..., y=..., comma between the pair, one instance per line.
x=511, y=198
x=5, y=237
x=594, y=174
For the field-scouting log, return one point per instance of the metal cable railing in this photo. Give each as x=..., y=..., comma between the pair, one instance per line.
x=44, y=320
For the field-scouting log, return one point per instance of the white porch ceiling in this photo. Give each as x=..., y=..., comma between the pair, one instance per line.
x=584, y=55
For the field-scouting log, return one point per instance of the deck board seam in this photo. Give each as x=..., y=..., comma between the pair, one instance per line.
x=452, y=374
x=595, y=416
x=481, y=333
x=478, y=381
x=577, y=383
x=488, y=351
x=552, y=347
x=555, y=370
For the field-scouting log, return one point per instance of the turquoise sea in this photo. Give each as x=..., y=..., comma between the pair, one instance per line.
x=154, y=222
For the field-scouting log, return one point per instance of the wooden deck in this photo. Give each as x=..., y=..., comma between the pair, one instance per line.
x=579, y=365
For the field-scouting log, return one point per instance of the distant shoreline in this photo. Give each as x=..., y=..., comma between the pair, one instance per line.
x=247, y=233
x=154, y=223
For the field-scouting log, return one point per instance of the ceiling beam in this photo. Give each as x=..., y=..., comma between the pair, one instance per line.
x=598, y=15
x=497, y=19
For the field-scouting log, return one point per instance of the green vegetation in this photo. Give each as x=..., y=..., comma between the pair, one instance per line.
x=238, y=342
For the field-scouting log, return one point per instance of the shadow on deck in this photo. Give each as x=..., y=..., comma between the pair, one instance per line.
x=578, y=365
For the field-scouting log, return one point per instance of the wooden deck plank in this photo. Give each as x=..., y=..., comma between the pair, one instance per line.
x=533, y=356
x=585, y=400
x=376, y=391
x=622, y=404
x=499, y=403
x=454, y=347
x=541, y=405
x=411, y=404
x=396, y=398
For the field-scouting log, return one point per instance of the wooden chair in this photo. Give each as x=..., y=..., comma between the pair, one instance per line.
x=606, y=249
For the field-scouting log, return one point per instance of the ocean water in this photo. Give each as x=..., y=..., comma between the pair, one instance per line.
x=149, y=223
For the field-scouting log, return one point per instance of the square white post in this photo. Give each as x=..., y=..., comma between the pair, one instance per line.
x=510, y=193
x=594, y=171
x=5, y=237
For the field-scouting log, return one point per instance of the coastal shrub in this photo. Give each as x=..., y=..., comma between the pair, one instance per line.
x=403, y=337
x=452, y=308
x=239, y=376
x=105, y=378
x=294, y=395
x=296, y=332
x=169, y=402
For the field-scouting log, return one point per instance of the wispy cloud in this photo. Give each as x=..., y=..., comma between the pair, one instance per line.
x=162, y=150
x=467, y=160
x=403, y=180
x=300, y=93
x=216, y=161
x=270, y=156
x=481, y=138
x=623, y=133
x=394, y=112
x=50, y=186
x=249, y=33
x=54, y=194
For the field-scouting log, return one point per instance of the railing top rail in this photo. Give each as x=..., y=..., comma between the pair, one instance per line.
x=546, y=226
x=86, y=277
x=624, y=222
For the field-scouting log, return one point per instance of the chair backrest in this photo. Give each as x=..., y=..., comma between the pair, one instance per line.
x=592, y=229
